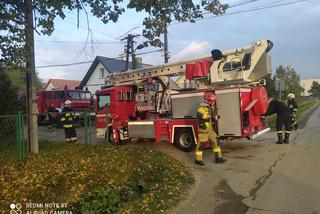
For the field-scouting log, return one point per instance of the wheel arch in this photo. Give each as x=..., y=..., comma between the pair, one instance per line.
x=176, y=128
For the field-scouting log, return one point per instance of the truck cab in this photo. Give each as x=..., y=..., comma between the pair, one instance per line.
x=121, y=105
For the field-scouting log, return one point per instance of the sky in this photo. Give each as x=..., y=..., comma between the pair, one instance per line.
x=294, y=29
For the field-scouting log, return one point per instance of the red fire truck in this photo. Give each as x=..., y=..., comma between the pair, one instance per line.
x=81, y=101
x=142, y=104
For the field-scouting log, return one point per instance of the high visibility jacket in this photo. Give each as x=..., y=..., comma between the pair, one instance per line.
x=205, y=115
x=293, y=107
x=67, y=118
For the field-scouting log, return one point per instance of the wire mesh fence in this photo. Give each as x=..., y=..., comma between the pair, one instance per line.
x=13, y=132
x=12, y=138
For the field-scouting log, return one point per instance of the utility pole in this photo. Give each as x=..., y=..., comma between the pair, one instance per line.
x=133, y=56
x=165, y=38
x=130, y=50
x=30, y=75
x=127, y=50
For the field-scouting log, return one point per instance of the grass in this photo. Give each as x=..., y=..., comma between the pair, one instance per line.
x=132, y=180
x=302, y=107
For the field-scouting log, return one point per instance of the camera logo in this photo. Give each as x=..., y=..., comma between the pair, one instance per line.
x=15, y=208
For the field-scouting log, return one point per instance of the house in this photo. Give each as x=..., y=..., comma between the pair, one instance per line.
x=306, y=85
x=61, y=84
x=100, y=67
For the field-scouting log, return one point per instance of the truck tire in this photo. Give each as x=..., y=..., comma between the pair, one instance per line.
x=184, y=140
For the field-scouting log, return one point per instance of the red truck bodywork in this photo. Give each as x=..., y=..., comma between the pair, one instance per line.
x=123, y=111
x=81, y=100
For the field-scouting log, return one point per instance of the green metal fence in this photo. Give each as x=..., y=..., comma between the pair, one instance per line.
x=12, y=138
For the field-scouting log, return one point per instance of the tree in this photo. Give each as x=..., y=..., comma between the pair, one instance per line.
x=12, y=20
x=315, y=90
x=291, y=80
x=18, y=79
x=8, y=98
x=270, y=85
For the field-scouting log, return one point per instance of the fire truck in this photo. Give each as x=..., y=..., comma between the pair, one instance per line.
x=81, y=102
x=142, y=103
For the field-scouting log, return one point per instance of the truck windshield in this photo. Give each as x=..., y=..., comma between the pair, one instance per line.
x=77, y=95
x=103, y=100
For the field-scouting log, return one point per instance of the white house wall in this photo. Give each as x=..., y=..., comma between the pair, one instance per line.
x=49, y=87
x=95, y=81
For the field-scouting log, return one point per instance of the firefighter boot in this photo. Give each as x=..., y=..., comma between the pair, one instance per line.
x=218, y=155
x=286, y=137
x=280, y=139
x=198, y=155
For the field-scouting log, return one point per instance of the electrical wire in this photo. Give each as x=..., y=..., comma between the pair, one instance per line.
x=244, y=11
x=77, y=42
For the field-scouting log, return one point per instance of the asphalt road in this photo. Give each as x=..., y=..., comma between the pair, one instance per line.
x=294, y=185
x=260, y=177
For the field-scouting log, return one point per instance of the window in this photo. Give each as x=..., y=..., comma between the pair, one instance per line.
x=49, y=95
x=73, y=95
x=120, y=97
x=129, y=95
x=85, y=95
x=103, y=100
x=59, y=95
x=101, y=72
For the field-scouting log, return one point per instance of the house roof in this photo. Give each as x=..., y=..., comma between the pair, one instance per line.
x=61, y=83
x=111, y=64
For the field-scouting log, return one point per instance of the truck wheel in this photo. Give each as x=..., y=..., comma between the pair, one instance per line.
x=184, y=140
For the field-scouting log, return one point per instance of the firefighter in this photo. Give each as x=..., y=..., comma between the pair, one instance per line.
x=206, y=114
x=67, y=120
x=283, y=119
x=293, y=108
x=52, y=115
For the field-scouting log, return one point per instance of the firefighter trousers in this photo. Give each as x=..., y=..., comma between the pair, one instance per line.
x=283, y=121
x=204, y=136
x=70, y=134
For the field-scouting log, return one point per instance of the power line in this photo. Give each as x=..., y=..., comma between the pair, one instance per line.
x=245, y=11
x=64, y=65
x=77, y=42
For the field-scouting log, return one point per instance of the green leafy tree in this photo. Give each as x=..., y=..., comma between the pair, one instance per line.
x=270, y=85
x=18, y=78
x=12, y=24
x=8, y=98
x=315, y=90
x=291, y=80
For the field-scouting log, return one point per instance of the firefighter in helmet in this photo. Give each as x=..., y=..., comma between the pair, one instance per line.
x=206, y=114
x=293, y=108
x=283, y=119
x=67, y=120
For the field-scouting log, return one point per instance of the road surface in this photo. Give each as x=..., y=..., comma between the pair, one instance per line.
x=260, y=177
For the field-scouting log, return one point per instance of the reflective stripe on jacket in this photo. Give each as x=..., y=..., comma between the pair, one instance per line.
x=67, y=118
x=204, y=115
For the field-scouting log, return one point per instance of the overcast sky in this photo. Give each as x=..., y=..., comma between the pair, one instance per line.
x=294, y=29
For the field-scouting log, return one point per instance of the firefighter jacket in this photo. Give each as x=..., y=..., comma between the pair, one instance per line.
x=278, y=107
x=293, y=107
x=67, y=118
x=205, y=116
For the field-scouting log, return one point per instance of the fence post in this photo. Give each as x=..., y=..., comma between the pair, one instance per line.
x=20, y=137
x=85, y=128
x=107, y=122
x=89, y=130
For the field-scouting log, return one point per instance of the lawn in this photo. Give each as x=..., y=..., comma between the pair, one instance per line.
x=96, y=179
x=302, y=107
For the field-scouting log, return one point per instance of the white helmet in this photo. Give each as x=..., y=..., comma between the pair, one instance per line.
x=291, y=95
x=67, y=102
